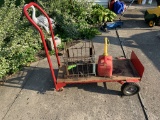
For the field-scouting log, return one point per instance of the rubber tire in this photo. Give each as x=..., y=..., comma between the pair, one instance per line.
x=126, y=89
x=151, y=23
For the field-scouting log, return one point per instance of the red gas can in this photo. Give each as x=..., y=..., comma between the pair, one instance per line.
x=105, y=66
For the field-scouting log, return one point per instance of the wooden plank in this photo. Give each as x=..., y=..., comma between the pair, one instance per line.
x=95, y=79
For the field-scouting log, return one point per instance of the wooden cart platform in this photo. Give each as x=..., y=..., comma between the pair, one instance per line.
x=123, y=70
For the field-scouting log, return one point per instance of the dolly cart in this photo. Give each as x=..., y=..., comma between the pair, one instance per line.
x=79, y=63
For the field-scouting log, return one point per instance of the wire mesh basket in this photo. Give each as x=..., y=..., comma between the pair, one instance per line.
x=79, y=59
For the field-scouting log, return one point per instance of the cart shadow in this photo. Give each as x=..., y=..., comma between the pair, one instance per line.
x=31, y=78
x=94, y=87
x=40, y=80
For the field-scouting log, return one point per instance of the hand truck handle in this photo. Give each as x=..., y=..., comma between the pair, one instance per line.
x=25, y=12
x=25, y=8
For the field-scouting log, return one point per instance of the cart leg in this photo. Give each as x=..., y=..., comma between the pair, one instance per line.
x=105, y=85
x=121, y=82
x=59, y=86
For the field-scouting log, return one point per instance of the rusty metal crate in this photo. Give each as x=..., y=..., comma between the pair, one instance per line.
x=79, y=59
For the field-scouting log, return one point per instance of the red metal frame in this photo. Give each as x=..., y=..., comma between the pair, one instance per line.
x=137, y=64
x=134, y=61
x=58, y=85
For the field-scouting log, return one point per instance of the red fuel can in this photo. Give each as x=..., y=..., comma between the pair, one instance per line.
x=105, y=66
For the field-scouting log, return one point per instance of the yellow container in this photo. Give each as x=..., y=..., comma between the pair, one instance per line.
x=106, y=47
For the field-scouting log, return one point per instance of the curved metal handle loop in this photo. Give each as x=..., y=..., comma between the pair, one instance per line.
x=26, y=7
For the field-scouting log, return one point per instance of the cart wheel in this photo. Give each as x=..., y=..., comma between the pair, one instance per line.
x=151, y=23
x=129, y=89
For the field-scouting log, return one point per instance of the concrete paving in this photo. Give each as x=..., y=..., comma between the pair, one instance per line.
x=30, y=94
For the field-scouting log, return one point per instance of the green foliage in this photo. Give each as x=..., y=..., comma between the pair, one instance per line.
x=71, y=18
x=18, y=40
x=101, y=14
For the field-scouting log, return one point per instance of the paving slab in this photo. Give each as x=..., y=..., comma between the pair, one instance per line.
x=31, y=95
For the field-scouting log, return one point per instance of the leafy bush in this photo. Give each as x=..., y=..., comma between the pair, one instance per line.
x=101, y=14
x=71, y=18
x=18, y=41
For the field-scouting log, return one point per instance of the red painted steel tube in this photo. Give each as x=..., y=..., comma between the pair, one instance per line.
x=25, y=8
x=137, y=64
